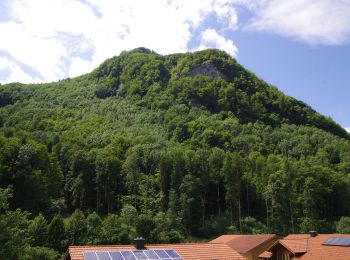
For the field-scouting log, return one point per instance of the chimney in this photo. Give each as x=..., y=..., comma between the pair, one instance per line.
x=313, y=233
x=139, y=243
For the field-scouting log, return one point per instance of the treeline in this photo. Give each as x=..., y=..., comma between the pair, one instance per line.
x=173, y=148
x=26, y=237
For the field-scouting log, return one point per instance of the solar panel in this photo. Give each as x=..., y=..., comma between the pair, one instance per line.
x=140, y=254
x=151, y=254
x=103, y=256
x=163, y=254
x=172, y=253
x=337, y=241
x=116, y=255
x=128, y=255
x=90, y=256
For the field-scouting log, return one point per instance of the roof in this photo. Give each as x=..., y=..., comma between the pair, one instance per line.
x=266, y=255
x=244, y=243
x=224, y=239
x=312, y=248
x=296, y=246
x=188, y=251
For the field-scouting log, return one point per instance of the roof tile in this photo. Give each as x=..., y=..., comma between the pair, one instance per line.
x=244, y=243
x=265, y=254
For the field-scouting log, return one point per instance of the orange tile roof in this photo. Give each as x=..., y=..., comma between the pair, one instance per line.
x=244, y=243
x=224, y=239
x=190, y=251
x=265, y=254
x=296, y=246
x=314, y=247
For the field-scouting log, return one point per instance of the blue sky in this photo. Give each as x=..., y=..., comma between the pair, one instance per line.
x=300, y=46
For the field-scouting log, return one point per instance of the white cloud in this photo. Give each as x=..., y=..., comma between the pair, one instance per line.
x=211, y=39
x=13, y=73
x=313, y=21
x=61, y=38
x=347, y=129
x=79, y=66
x=42, y=54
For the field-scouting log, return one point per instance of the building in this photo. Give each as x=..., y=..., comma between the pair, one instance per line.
x=310, y=247
x=249, y=246
x=185, y=251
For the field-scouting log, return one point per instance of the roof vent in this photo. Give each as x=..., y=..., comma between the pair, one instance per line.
x=313, y=233
x=139, y=243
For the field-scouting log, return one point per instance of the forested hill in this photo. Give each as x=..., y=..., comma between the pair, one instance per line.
x=167, y=147
x=209, y=80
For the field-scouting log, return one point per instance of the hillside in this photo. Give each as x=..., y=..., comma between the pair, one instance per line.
x=171, y=147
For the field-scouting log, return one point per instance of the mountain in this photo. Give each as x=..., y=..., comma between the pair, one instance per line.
x=173, y=147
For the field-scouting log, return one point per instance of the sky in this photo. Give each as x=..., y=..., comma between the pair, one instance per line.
x=300, y=46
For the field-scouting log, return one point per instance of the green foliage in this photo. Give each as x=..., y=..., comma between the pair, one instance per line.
x=165, y=147
x=308, y=224
x=111, y=230
x=171, y=237
x=38, y=231
x=145, y=227
x=129, y=219
x=56, y=233
x=252, y=226
x=5, y=195
x=76, y=228
x=343, y=225
x=39, y=253
x=14, y=234
x=94, y=228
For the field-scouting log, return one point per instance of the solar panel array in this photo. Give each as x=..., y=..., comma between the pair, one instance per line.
x=337, y=241
x=164, y=254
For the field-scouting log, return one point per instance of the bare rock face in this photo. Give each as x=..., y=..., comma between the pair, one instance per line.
x=207, y=70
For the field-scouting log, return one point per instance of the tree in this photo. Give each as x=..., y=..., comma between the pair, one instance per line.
x=76, y=228
x=111, y=230
x=277, y=196
x=232, y=170
x=29, y=177
x=5, y=195
x=190, y=206
x=150, y=197
x=129, y=216
x=94, y=228
x=252, y=226
x=108, y=178
x=215, y=159
x=145, y=227
x=56, y=234
x=39, y=253
x=14, y=234
x=131, y=169
x=343, y=225
x=38, y=231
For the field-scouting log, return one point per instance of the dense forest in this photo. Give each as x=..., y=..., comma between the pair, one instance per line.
x=173, y=148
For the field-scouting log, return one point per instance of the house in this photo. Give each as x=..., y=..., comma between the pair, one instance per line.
x=249, y=246
x=185, y=251
x=310, y=246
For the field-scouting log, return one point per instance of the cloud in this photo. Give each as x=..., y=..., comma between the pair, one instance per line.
x=11, y=72
x=313, y=21
x=65, y=38
x=212, y=39
x=347, y=129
